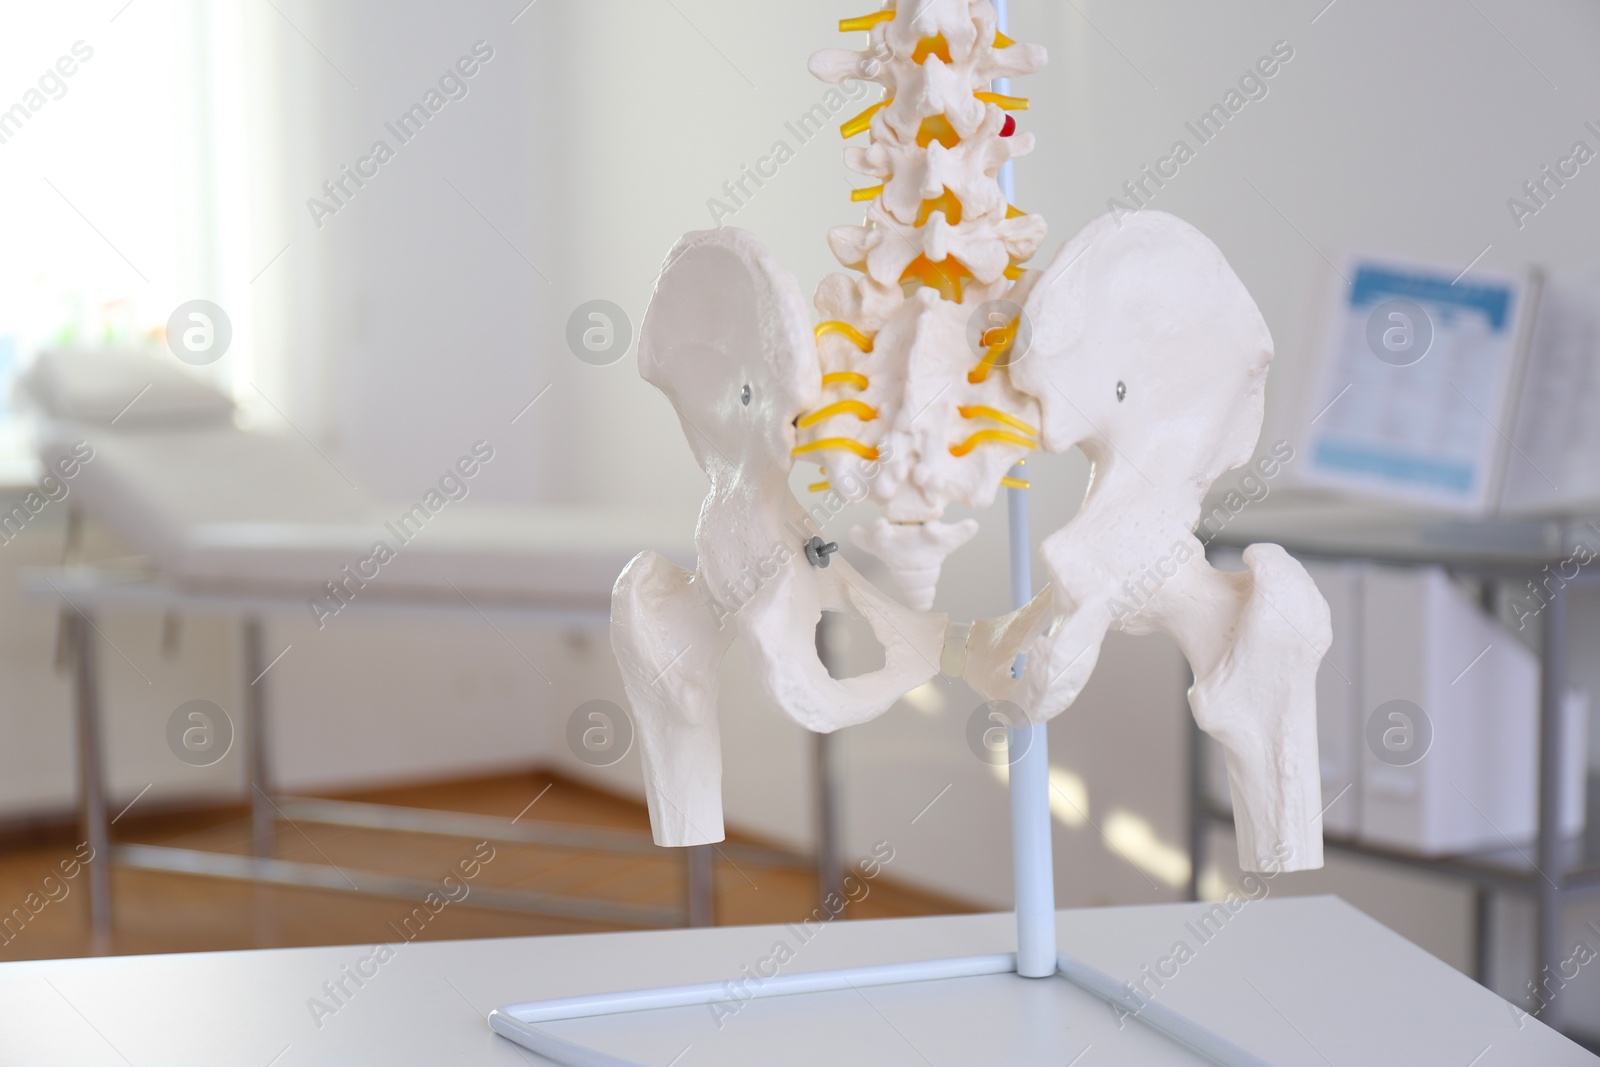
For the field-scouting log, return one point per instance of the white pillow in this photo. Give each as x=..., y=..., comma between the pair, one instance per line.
x=99, y=385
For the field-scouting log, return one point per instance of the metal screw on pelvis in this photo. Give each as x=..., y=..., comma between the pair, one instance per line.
x=818, y=550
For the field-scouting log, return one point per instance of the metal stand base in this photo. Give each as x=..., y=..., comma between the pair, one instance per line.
x=520, y=1022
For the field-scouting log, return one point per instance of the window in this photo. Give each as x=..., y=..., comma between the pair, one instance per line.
x=121, y=164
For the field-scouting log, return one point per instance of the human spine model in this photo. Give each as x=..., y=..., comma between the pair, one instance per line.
x=929, y=376
x=939, y=258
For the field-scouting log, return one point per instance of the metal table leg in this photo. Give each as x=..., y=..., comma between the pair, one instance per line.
x=1482, y=895
x=1482, y=933
x=825, y=780
x=702, y=884
x=830, y=849
x=1547, y=888
x=91, y=776
x=1197, y=802
x=255, y=717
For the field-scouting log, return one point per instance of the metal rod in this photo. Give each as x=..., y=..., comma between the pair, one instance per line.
x=1005, y=176
x=516, y=1021
x=830, y=849
x=256, y=753
x=106, y=587
x=1157, y=1016
x=1032, y=865
x=91, y=776
x=781, y=985
x=1032, y=860
x=497, y=828
x=701, y=885
x=1552, y=694
x=1482, y=933
x=378, y=883
x=825, y=778
x=1197, y=801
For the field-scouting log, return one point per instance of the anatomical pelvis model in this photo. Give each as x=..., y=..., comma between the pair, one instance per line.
x=935, y=364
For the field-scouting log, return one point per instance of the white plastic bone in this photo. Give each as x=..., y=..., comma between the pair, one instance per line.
x=1150, y=356
x=728, y=339
x=1146, y=353
x=914, y=552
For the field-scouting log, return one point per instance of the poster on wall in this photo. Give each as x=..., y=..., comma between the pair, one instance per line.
x=1415, y=393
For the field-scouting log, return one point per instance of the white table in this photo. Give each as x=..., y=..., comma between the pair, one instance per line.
x=1297, y=981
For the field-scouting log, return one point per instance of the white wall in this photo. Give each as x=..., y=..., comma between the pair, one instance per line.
x=404, y=328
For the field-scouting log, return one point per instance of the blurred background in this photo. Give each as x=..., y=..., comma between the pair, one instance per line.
x=381, y=329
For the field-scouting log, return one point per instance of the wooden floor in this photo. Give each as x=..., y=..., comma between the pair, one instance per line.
x=156, y=912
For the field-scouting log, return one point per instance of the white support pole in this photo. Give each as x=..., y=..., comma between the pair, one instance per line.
x=1032, y=865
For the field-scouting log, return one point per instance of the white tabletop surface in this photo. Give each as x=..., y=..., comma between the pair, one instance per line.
x=1306, y=980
